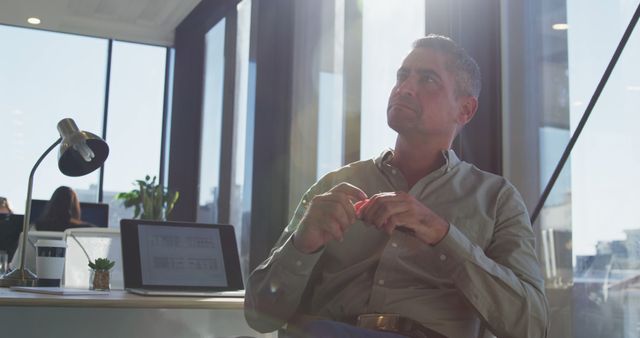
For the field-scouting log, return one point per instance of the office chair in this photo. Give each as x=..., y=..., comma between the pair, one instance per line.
x=10, y=229
x=84, y=244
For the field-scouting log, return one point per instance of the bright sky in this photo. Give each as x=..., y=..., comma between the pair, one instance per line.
x=605, y=162
x=49, y=76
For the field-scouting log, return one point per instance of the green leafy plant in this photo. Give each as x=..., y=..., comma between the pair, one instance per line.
x=102, y=264
x=151, y=200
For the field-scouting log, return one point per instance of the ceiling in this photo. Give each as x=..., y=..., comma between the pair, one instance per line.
x=143, y=21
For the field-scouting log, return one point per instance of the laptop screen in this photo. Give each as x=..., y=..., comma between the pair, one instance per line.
x=179, y=256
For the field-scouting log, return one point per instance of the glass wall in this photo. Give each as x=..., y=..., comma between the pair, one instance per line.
x=48, y=76
x=136, y=101
x=588, y=229
x=211, y=124
x=240, y=203
x=383, y=50
x=330, y=139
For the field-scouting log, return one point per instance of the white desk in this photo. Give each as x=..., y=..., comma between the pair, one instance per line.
x=120, y=314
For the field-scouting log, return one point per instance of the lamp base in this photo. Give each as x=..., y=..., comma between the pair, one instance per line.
x=19, y=277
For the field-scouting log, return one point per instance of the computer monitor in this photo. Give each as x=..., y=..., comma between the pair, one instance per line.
x=94, y=213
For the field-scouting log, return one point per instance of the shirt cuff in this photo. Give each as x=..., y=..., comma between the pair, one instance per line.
x=296, y=261
x=453, y=250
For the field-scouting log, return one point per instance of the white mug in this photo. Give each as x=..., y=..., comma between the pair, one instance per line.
x=50, y=261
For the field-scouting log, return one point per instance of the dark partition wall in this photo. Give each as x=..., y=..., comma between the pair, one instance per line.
x=475, y=25
x=274, y=63
x=186, y=117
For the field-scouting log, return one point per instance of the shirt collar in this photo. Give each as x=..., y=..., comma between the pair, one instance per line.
x=450, y=159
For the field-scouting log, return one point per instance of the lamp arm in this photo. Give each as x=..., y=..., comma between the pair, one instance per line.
x=27, y=212
x=81, y=246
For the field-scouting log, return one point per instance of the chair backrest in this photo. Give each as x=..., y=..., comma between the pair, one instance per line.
x=10, y=229
x=30, y=251
x=94, y=243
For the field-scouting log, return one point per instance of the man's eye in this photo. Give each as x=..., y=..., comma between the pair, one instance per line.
x=428, y=79
x=401, y=77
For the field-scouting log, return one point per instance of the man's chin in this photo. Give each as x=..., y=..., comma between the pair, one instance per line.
x=402, y=111
x=401, y=115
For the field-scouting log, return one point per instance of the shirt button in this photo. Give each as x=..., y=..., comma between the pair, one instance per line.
x=394, y=244
x=381, y=282
x=298, y=263
x=443, y=257
x=393, y=171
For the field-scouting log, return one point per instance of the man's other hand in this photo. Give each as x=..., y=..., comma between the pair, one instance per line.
x=390, y=210
x=327, y=217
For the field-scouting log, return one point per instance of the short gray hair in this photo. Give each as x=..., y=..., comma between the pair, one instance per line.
x=463, y=66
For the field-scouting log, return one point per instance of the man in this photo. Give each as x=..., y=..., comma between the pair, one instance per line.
x=437, y=243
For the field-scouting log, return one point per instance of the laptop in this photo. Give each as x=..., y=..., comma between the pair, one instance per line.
x=162, y=258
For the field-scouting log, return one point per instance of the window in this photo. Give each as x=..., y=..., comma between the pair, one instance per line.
x=46, y=77
x=211, y=124
x=330, y=140
x=383, y=50
x=134, y=126
x=49, y=76
x=589, y=233
x=240, y=200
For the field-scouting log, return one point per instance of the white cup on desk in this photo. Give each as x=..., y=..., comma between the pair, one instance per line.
x=50, y=261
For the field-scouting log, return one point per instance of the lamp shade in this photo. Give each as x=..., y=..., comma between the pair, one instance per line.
x=81, y=152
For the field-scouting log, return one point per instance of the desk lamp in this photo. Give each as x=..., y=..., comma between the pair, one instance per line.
x=80, y=153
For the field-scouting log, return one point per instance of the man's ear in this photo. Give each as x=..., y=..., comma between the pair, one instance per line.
x=467, y=109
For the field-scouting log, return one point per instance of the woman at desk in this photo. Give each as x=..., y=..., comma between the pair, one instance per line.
x=10, y=228
x=62, y=212
x=4, y=207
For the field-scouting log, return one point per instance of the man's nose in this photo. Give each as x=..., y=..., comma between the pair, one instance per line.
x=406, y=87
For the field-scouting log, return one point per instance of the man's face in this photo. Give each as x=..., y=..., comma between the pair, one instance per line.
x=423, y=101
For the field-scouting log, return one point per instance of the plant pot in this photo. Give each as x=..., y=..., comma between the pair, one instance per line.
x=100, y=280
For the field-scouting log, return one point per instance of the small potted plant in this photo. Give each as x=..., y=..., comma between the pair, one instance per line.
x=100, y=273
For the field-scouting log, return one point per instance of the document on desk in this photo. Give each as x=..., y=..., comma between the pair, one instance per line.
x=58, y=291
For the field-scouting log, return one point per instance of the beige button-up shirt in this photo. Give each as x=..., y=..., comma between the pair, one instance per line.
x=483, y=274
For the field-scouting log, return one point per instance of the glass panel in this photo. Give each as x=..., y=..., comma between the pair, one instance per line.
x=383, y=50
x=589, y=233
x=604, y=178
x=136, y=99
x=330, y=103
x=46, y=77
x=211, y=124
x=240, y=202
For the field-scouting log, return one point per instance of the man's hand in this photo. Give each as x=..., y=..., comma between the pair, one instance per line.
x=391, y=210
x=327, y=217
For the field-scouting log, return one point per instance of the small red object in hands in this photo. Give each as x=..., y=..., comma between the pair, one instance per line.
x=359, y=204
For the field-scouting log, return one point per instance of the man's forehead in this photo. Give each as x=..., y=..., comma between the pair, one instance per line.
x=425, y=59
